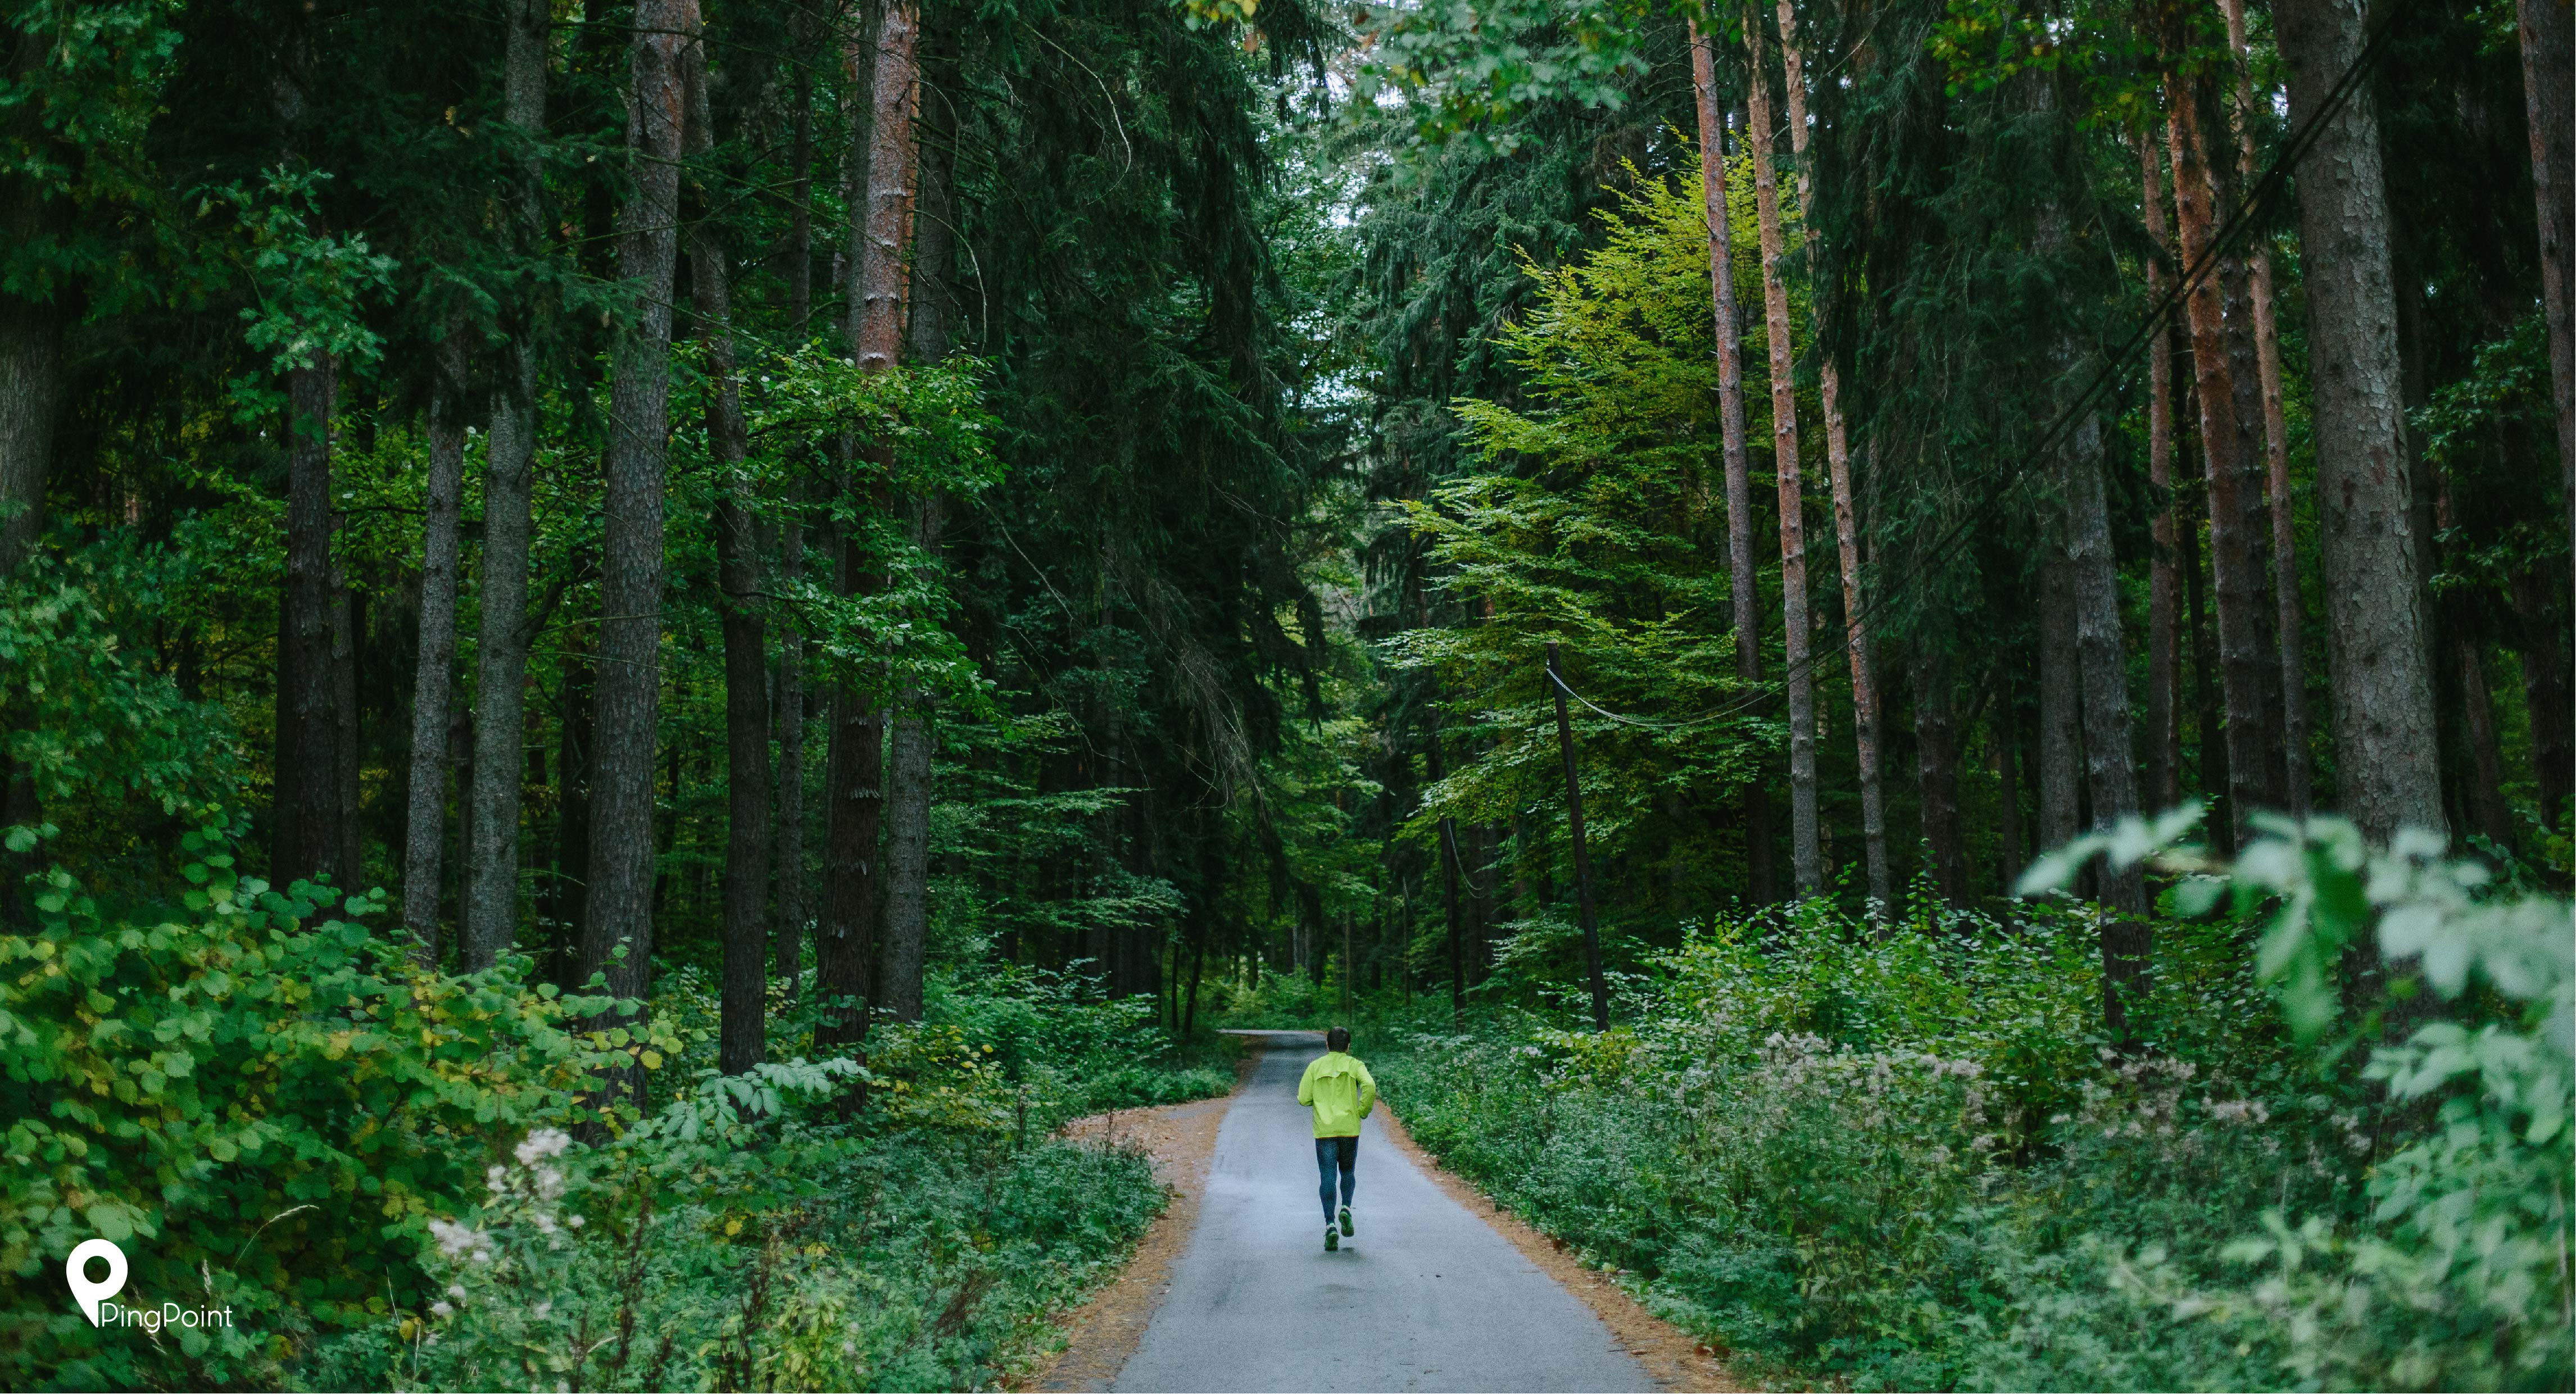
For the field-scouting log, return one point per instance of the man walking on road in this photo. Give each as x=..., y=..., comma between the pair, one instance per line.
x=1340, y=1090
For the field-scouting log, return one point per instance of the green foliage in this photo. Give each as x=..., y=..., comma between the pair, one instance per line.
x=921, y=1262
x=1595, y=519
x=1916, y=1162
x=88, y=719
x=265, y=1102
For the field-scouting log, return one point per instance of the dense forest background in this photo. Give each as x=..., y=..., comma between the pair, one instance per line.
x=827, y=573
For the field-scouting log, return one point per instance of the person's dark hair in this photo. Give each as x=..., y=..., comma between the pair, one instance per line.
x=1339, y=1038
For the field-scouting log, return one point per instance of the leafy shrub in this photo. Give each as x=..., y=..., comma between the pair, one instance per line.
x=275, y=1111
x=744, y=1238
x=1919, y=1163
x=268, y=1098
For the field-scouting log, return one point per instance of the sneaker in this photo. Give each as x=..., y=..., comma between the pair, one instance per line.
x=1332, y=1239
x=1346, y=1221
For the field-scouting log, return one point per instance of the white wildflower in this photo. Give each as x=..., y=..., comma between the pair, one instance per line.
x=544, y=1142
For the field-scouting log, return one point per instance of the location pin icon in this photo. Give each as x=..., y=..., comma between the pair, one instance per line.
x=76, y=1273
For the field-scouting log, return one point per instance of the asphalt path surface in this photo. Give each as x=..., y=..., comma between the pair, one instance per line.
x=1426, y=1296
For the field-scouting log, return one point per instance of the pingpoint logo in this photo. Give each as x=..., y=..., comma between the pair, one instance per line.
x=93, y=1296
x=76, y=1272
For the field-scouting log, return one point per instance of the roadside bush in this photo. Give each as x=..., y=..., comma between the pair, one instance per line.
x=743, y=1248
x=261, y=1101
x=272, y=1110
x=1917, y=1162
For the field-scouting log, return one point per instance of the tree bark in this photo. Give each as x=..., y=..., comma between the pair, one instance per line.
x=853, y=816
x=1798, y=674
x=2164, y=580
x=2486, y=809
x=2007, y=743
x=907, y=831
x=910, y=748
x=2539, y=598
x=742, y=999
x=313, y=840
x=2299, y=764
x=2061, y=735
x=2213, y=751
x=878, y=318
x=434, y=677
x=799, y=276
x=630, y=595
x=1873, y=815
x=491, y=910
x=2387, y=751
x=570, y=894
x=1744, y=582
x=787, y=929
x=31, y=389
x=2232, y=544
x=2103, y=678
x=2549, y=95
x=888, y=273
x=1936, y=747
x=879, y=177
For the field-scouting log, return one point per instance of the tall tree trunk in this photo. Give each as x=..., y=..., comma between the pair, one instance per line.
x=887, y=275
x=314, y=737
x=2103, y=672
x=2549, y=95
x=2486, y=809
x=878, y=316
x=2299, y=764
x=2213, y=751
x=787, y=929
x=799, y=276
x=907, y=829
x=2110, y=774
x=571, y=890
x=2387, y=752
x=910, y=748
x=630, y=593
x=434, y=677
x=853, y=816
x=845, y=945
x=2007, y=743
x=2061, y=734
x=2245, y=375
x=1936, y=748
x=31, y=389
x=2539, y=600
x=491, y=910
x=1873, y=815
x=2242, y=653
x=2164, y=580
x=742, y=1005
x=1743, y=579
x=1798, y=672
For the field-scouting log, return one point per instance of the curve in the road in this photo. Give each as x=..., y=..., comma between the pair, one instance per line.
x=1426, y=1297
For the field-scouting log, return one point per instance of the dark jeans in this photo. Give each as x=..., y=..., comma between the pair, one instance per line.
x=1332, y=1154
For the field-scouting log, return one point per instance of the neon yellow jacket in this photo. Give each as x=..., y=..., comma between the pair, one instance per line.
x=1340, y=1090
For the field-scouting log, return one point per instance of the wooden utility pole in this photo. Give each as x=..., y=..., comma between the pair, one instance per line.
x=1449, y=884
x=1582, y=858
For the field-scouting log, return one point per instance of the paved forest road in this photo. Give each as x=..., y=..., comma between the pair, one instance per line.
x=1427, y=1296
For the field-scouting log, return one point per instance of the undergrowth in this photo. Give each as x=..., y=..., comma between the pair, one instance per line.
x=1917, y=1163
